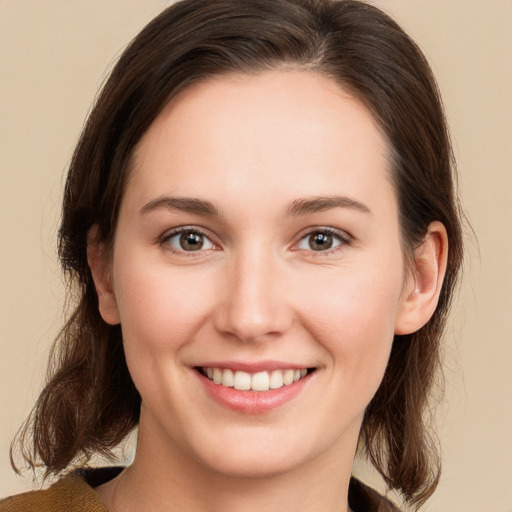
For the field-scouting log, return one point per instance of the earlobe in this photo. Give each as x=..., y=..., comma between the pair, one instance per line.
x=102, y=279
x=421, y=293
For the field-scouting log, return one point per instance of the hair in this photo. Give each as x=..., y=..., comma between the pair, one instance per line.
x=90, y=403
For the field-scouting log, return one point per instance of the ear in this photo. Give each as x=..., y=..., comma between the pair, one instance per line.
x=423, y=285
x=101, y=277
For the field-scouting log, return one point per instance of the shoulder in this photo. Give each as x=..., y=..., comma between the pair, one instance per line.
x=72, y=493
x=365, y=499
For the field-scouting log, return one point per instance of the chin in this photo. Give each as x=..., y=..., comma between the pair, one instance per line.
x=259, y=466
x=254, y=455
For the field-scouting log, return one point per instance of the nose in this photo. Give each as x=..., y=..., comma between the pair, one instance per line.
x=252, y=305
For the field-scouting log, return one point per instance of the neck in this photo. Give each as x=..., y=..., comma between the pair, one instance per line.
x=162, y=477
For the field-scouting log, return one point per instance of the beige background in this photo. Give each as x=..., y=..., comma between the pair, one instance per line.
x=54, y=54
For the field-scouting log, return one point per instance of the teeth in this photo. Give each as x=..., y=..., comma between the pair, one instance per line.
x=242, y=381
x=288, y=377
x=276, y=379
x=217, y=375
x=227, y=378
x=261, y=381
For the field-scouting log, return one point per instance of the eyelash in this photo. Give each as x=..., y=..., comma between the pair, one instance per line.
x=342, y=237
x=164, y=242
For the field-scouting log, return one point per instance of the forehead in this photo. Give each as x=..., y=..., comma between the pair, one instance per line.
x=295, y=131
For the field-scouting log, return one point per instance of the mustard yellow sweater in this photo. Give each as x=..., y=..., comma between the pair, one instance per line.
x=70, y=494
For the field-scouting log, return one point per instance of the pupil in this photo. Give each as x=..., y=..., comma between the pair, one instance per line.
x=191, y=241
x=321, y=241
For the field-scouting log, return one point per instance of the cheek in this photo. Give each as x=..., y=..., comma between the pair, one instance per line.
x=161, y=312
x=160, y=309
x=349, y=302
x=354, y=319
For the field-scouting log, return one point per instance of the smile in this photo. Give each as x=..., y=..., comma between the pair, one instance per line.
x=260, y=381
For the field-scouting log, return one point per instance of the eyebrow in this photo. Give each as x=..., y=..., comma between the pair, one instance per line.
x=307, y=206
x=182, y=204
x=297, y=208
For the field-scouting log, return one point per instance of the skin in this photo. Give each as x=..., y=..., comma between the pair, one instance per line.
x=257, y=291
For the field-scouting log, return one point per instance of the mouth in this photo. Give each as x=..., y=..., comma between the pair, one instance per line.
x=260, y=381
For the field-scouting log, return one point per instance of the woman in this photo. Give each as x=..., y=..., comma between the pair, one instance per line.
x=257, y=220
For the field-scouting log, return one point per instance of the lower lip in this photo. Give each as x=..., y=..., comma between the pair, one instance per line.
x=253, y=402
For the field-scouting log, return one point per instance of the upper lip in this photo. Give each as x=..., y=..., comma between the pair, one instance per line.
x=253, y=367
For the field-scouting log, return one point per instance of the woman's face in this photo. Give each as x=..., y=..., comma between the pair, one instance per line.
x=258, y=239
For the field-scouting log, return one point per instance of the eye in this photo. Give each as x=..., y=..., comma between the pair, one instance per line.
x=322, y=240
x=188, y=240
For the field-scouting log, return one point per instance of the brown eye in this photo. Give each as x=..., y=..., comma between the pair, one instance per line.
x=191, y=241
x=188, y=240
x=322, y=240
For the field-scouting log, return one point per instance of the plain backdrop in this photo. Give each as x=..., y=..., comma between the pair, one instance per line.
x=54, y=55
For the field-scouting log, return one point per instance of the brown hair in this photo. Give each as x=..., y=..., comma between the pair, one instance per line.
x=90, y=402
